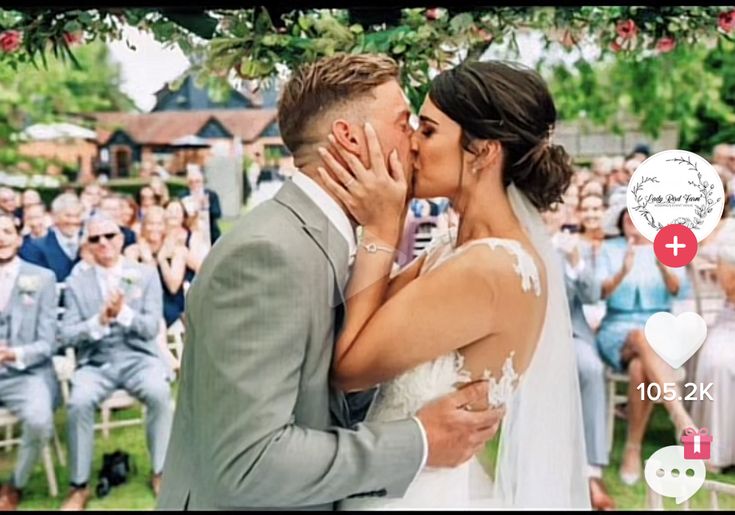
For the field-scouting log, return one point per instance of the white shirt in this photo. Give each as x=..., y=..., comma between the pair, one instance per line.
x=338, y=218
x=9, y=273
x=329, y=206
x=108, y=279
x=67, y=243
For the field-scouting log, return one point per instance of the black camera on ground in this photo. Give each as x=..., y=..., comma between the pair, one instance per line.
x=116, y=468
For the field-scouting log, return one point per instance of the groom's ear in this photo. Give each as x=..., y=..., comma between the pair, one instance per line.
x=346, y=135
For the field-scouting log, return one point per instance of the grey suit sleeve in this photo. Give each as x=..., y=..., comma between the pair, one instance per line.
x=256, y=455
x=74, y=330
x=44, y=346
x=146, y=320
x=586, y=282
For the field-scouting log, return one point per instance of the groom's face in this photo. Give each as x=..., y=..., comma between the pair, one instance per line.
x=389, y=113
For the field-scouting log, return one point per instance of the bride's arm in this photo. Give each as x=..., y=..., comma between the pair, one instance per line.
x=441, y=311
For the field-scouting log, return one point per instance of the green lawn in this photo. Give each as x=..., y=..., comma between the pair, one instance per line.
x=137, y=494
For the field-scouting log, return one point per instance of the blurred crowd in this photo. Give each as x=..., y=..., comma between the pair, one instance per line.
x=104, y=274
x=119, y=266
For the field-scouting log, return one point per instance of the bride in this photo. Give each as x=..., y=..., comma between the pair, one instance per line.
x=491, y=304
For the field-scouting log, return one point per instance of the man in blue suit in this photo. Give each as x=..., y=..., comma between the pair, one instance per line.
x=59, y=249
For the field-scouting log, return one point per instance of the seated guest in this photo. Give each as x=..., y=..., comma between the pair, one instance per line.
x=591, y=211
x=34, y=222
x=129, y=213
x=27, y=342
x=111, y=207
x=112, y=317
x=636, y=285
x=184, y=225
x=90, y=197
x=9, y=204
x=168, y=255
x=583, y=288
x=716, y=365
x=59, y=249
x=205, y=200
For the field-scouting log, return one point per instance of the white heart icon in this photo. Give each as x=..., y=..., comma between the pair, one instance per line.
x=676, y=339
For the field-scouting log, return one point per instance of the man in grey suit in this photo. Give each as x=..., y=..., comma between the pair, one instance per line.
x=112, y=316
x=583, y=288
x=27, y=342
x=257, y=424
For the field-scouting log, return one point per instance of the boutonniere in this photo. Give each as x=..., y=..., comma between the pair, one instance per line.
x=28, y=285
x=130, y=277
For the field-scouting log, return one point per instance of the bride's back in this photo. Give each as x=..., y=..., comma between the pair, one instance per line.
x=518, y=308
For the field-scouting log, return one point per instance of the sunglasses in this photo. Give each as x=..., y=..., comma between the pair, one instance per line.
x=98, y=237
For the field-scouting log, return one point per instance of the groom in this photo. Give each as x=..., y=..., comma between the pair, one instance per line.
x=257, y=424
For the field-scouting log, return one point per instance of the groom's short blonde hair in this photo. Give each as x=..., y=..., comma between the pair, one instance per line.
x=317, y=88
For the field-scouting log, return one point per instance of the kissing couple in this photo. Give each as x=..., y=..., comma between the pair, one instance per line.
x=314, y=378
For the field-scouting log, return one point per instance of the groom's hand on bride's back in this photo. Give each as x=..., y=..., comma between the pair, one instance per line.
x=454, y=432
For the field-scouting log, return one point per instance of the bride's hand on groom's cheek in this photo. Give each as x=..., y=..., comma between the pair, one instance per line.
x=454, y=433
x=374, y=196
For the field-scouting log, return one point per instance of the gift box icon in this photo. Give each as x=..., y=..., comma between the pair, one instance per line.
x=696, y=443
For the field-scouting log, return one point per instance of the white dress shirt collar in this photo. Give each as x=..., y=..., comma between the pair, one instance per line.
x=329, y=206
x=107, y=275
x=8, y=274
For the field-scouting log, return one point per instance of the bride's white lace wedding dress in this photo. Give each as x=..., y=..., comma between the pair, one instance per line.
x=402, y=397
x=535, y=469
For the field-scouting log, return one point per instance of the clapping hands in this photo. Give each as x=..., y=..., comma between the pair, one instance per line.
x=112, y=307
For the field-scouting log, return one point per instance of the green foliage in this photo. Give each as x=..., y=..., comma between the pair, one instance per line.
x=691, y=85
x=31, y=95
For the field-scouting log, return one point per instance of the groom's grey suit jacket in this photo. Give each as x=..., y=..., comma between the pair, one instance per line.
x=257, y=424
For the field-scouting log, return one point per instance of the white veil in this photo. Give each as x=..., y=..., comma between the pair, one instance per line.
x=542, y=460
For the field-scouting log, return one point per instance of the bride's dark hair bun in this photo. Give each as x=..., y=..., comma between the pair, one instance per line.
x=510, y=103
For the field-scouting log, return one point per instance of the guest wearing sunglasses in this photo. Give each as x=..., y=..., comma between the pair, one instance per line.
x=112, y=316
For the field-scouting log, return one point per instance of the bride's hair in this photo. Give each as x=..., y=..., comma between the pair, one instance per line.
x=509, y=103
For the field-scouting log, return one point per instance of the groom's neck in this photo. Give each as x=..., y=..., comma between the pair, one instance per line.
x=310, y=170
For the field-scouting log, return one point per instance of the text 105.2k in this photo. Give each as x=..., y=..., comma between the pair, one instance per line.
x=693, y=392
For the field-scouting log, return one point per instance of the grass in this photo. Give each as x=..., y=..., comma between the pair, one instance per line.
x=136, y=494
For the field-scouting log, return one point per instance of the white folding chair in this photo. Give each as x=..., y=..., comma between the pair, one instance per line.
x=9, y=421
x=655, y=501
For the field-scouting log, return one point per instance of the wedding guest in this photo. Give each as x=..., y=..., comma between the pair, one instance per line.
x=90, y=197
x=716, y=365
x=59, y=249
x=27, y=342
x=601, y=167
x=146, y=199
x=9, y=204
x=160, y=190
x=584, y=288
x=34, y=222
x=185, y=225
x=635, y=285
x=129, y=213
x=29, y=197
x=593, y=187
x=723, y=234
x=167, y=253
x=591, y=212
x=570, y=197
x=206, y=200
x=721, y=155
x=112, y=317
x=111, y=206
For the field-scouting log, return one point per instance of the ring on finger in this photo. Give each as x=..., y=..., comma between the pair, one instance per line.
x=349, y=183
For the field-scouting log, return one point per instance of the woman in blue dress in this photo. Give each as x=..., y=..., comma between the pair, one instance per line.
x=635, y=285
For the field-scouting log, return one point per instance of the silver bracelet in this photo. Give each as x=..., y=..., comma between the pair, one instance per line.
x=372, y=248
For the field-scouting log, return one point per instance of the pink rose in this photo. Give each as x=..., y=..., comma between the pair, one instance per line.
x=666, y=44
x=626, y=29
x=72, y=38
x=10, y=41
x=485, y=35
x=726, y=21
x=432, y=14
x=568, y=40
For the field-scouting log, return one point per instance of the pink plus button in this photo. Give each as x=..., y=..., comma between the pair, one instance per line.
x=675, y=245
